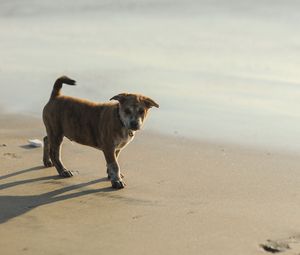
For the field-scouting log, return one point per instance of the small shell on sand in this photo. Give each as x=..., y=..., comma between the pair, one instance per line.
x=35, y=143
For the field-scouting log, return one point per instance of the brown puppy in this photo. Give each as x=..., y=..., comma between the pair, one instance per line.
x=105, y=126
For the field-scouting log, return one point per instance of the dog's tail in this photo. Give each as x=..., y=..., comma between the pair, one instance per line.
x=58, y=85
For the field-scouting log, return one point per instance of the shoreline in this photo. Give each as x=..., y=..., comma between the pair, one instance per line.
x=28, y=118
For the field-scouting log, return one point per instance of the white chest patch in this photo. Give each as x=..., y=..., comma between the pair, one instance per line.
x=125, y=139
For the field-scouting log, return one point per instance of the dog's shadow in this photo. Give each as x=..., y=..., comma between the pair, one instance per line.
x=13, y=206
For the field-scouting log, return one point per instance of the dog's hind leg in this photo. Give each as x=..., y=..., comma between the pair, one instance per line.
x=46, y=155
x=55, y=151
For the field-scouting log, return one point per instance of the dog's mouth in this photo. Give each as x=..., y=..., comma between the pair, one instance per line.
x=134, y=128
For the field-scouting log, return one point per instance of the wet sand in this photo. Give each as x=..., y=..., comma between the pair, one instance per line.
x=182, y=197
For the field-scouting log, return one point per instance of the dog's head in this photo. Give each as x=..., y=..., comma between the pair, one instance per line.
x=133, y=109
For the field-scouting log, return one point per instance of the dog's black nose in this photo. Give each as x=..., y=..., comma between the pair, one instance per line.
x=134, y=125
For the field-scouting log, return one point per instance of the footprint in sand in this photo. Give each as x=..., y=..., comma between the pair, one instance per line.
x=10, y=155
x=282, y=245
x=275, y=246
x=137, y=217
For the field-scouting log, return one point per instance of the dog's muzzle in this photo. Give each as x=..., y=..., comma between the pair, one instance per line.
x=134, y=125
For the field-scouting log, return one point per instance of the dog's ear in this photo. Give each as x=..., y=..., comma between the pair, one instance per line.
x=150, y=102
x=120, y=97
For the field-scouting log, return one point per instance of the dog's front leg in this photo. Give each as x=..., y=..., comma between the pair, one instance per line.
x=113, y=169
x=107, y=170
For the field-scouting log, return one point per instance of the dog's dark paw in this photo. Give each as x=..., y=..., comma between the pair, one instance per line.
x=47, y=163
x=66, y=174
x=109, y=177
x=118, y=184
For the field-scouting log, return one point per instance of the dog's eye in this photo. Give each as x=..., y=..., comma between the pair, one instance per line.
x=141, y=111
x=127, y=111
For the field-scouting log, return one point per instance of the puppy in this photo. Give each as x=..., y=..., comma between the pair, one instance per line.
x=105, y=126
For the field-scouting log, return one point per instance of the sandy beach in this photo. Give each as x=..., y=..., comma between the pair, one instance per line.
x=216, y=168
x=182, y=197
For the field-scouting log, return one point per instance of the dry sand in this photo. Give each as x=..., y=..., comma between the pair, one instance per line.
x=182, y=197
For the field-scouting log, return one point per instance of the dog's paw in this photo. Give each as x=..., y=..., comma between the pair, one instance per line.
x=66, y=174
x=47, y=163
x=109, y=177
x=118, y=184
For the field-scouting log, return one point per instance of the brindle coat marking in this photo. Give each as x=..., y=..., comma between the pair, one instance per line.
x=105, y=126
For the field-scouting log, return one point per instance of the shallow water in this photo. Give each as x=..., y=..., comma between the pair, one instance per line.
x=220, y=71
